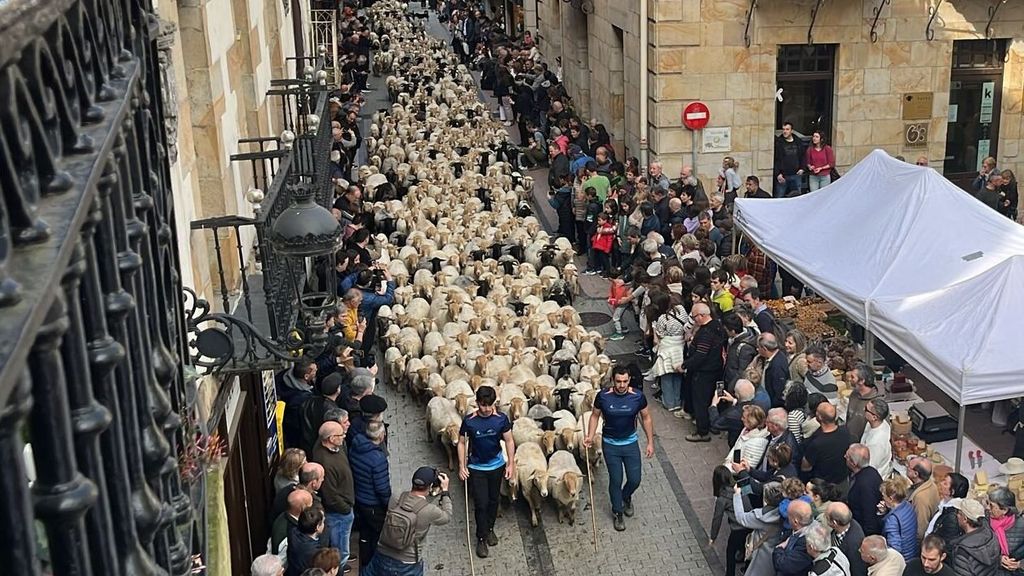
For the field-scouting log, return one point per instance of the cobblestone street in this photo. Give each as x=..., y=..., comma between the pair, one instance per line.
x=673, y=505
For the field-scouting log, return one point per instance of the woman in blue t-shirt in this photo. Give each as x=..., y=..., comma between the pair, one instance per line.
x=620, y=405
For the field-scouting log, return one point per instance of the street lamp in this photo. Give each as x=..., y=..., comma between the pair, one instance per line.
x=304, y=232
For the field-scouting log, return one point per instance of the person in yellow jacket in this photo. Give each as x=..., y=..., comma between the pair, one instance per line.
x=352, y=326
x=720, y=293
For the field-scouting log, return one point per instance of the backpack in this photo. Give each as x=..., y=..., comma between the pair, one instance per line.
x=777, y=328
x=399, y=531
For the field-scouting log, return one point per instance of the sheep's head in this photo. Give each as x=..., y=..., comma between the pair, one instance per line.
x=547, y=442
x=568, y=436
x=451, y=434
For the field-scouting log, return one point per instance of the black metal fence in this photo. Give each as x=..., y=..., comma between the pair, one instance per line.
x=92, y=344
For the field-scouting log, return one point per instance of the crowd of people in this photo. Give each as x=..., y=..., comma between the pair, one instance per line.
x=801, y=489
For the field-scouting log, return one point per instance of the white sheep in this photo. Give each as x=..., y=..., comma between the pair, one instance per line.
x=596, y=451
x=564, y=482
x=532, y=472
x=443, y=425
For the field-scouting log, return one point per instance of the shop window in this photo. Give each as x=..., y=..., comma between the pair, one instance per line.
x=806, y=75
x=976, y=82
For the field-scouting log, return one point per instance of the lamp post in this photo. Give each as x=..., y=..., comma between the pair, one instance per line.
x=302, y=233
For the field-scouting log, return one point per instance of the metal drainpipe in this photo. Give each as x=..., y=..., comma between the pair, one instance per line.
x=643, y=86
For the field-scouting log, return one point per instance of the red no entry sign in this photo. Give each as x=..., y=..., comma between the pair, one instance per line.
x=696, y=115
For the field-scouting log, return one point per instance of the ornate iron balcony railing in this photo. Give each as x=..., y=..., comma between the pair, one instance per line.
x=92, y=328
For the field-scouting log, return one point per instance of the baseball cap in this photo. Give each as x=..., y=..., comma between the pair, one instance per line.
x=972, y=509
x=426, y=476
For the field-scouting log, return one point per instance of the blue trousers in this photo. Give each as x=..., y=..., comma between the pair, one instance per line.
x=382, y=565
x=672, y=390
x=618, y=458
x=792, y=184
x=339, y=526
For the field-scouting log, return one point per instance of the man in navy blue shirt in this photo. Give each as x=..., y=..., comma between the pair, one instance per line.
x=620, y=405
x=482, y=464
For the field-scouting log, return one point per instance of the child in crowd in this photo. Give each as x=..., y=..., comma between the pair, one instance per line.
x=792, y=489
x=619, y=296
x=601, y=245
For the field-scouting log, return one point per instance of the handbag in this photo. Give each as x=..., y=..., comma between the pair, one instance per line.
x=834, y=174
x=751, y=544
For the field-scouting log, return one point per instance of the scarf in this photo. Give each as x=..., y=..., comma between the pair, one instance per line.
x=999, y=527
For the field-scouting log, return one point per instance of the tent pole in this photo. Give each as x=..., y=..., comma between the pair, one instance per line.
x=869, y=347
x=960, y=436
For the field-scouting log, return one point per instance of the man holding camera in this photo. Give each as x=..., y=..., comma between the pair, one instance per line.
x=482, y=464
x=409, y=518
x=378, y=290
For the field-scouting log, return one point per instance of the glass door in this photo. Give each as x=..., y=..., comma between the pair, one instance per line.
x=975, y=89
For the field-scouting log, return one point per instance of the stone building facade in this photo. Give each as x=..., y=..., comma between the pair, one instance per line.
x=221, y=56
x=949, y=87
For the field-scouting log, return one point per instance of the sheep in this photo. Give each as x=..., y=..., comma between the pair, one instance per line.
x=460, y=393
x=564, y=482
x=443, y=424
x=565, y=430
x=532, y=473
x=526, y=431
x=512, y=401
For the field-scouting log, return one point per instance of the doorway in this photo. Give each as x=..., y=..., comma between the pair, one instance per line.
x=806, y=76
x=975, y=97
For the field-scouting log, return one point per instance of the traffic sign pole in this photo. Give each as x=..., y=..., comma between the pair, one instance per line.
x=696, y=116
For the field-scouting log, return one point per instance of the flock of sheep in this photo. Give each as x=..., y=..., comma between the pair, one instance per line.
x=483, y=296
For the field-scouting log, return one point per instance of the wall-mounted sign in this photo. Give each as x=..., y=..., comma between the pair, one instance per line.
x=917, y=105
x=717, y=139
x=954, y=110
x=988, y=98
x=915, y=135
x=983, y=148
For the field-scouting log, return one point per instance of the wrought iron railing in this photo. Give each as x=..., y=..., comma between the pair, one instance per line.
x=92, y=339
x=266, y=302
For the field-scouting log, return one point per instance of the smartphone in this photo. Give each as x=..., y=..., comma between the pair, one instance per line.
x=737, y=456
x=743, y=482
x=720, y=387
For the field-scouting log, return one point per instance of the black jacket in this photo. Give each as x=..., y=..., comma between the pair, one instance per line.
x=729, y=420
x=559, y=168
x=789, y=156
x=946, y=524
x=706, y=349
x=311, y=416
x=863, y=497
x=850, y=546
x=975, y=554
x=776, y=375
x=740, y=354
x=301, y=549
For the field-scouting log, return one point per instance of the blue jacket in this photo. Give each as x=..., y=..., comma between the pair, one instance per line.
x=900, y=530
x=792, y=560
x=346, y=282
x=369, y=472
x=372, y=300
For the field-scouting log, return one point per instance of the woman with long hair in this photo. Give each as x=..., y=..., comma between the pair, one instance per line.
x=819, y=159
x=722, y=484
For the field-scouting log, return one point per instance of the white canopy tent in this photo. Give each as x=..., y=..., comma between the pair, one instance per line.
x=935, y=273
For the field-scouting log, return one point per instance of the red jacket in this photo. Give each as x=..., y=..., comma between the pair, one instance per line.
x=603, y=238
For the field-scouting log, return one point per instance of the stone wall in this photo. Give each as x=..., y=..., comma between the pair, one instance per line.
x=600, y=62
x=697, y=52
x=224, y=55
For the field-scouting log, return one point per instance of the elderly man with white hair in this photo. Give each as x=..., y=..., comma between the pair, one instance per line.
x=730, y=420
x=880, y=559
x=705, y=367
x=656, y=176
x=828, y=560
x=267, y=565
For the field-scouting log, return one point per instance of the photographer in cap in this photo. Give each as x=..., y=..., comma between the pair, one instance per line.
x=409, y=518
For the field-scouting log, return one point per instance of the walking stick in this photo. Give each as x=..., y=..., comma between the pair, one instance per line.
x=593, y=514
x=469, y=541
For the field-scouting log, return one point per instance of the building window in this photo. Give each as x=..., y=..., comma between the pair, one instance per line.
x=806, y=75
x=975, y=90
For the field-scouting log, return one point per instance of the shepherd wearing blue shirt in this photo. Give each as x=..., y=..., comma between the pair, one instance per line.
x=620, y=406
x=480, y=443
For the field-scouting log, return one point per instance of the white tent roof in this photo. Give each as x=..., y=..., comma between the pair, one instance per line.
x=932, y=271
